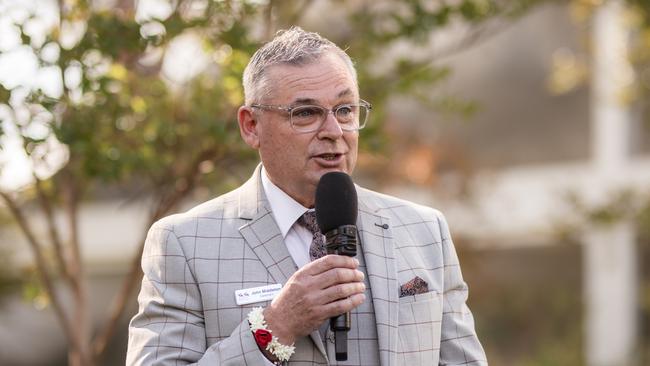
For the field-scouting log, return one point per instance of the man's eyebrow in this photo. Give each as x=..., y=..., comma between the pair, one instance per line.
x=305, y=101
x=345, y=93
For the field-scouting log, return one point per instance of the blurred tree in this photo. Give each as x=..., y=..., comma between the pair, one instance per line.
x=119, y=120
x=571, y=70
x=617, y=40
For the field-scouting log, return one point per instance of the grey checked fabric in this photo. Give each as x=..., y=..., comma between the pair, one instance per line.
x=317, y=247
x=194, y=262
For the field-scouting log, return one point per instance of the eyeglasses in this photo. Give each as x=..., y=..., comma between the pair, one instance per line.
x=310, y=118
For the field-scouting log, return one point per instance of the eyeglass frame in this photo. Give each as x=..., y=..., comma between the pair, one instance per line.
x=332, y=111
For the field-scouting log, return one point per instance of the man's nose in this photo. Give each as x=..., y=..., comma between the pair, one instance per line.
x=330, y=128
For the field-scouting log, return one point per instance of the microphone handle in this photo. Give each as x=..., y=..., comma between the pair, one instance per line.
x=341, y=241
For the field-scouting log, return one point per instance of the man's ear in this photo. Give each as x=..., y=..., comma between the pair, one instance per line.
x=248, y=126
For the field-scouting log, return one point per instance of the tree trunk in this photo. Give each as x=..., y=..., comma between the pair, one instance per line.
x=77, y=358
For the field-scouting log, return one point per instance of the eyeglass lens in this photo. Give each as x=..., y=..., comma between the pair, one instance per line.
x=311, y=117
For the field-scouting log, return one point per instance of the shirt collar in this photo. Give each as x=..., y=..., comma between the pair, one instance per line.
x=285, y=209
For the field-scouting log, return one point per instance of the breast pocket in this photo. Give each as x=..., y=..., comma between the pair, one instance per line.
x=420, y=317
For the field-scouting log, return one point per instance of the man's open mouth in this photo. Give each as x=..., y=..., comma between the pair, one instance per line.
x=328, y=156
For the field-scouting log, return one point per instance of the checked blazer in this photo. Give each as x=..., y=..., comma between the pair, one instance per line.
x=195, y=261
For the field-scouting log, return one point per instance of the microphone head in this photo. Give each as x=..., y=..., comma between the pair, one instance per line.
x=336, y=201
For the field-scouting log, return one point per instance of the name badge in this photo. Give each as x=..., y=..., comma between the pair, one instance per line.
x=257, y=294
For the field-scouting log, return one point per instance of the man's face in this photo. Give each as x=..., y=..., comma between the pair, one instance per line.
x=296, y=161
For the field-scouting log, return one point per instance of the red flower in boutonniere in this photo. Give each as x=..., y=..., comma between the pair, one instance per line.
x=263, y=337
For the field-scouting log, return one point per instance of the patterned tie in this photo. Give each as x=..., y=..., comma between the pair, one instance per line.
x=317, y=247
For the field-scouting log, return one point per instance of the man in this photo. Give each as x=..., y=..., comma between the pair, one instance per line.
x=203, y=268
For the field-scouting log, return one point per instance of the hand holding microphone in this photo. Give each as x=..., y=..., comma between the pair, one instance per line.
x=318, y=291
x=329, y=287
x=336, y=213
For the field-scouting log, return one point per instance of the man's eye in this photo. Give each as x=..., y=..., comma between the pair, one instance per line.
x=344, y=110
x=306, y=112
x=345, y=113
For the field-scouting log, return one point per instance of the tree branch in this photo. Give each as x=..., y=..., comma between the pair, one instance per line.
x=164, y=206
x=53, y=231
x=41, y=269
x=119, y=303
x=82, y=314
x=268, y=19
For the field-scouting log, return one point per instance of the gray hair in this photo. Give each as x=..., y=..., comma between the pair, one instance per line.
x=294, y=47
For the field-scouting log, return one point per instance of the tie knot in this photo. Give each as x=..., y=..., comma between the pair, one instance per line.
x=308, y=220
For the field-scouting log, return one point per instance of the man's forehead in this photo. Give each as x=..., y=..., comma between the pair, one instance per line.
x=343, y=94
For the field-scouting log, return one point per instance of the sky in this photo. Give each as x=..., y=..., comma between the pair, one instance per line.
x=19, y=70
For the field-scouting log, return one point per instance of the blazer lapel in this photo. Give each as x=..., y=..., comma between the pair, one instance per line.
x=263, y=235
x=377, y=244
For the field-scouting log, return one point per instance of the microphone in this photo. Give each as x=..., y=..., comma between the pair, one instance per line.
x=336, y=214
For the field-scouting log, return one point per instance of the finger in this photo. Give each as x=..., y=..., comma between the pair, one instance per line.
x=330, y=261
x=337, y=276
x=341, y=291
x=343, y=306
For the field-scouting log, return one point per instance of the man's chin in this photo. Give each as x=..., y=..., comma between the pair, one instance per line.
x=324, y=170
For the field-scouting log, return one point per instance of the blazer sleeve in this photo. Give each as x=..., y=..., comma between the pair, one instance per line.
x=459, y=344
x=169, y=328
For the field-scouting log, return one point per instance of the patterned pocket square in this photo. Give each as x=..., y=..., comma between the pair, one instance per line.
x=413, y=287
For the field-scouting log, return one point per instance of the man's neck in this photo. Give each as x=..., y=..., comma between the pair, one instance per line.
x=303, y=201
x=286, y=210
